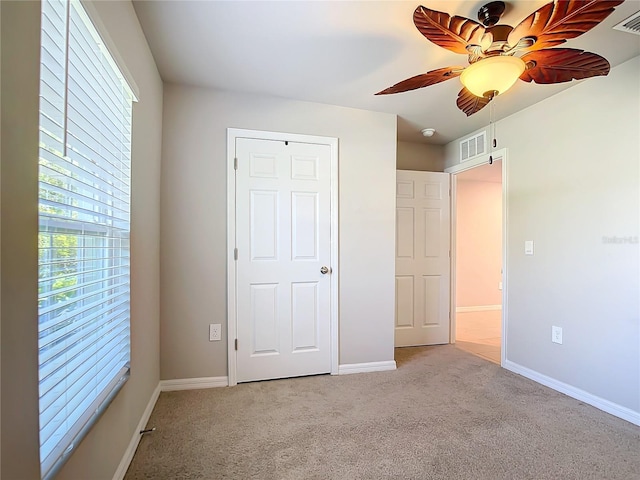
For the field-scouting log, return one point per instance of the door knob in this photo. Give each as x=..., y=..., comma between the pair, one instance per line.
x=325, y=270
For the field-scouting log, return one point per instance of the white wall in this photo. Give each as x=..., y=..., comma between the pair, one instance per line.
x=194, y=232
x=420, y=156
x=478, y=243
x=573, y=179
x=98, y=456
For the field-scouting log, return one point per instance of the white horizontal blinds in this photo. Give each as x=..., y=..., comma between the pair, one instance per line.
x=85, y=170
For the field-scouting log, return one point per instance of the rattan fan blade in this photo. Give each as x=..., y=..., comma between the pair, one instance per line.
x=469, y=103
x=556, y=22
x=423, y=80
x=558, y=65
x=452, y=33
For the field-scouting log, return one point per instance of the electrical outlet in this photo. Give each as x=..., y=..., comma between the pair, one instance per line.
x=556, y=335
x=500, y=286
x=215, y=332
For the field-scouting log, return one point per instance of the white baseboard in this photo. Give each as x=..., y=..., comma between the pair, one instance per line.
x=135, y=439
x=349, y=368
x=193, y=383
x=586, y=397
x=478, y=308
x=163, y=386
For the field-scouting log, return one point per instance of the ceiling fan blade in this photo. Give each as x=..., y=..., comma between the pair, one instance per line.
x=558, y=21
x=558, y=65
x=452, y=33
x=423, y=80
x=469, y=103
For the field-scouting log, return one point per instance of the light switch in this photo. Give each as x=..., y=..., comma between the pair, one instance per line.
x=528, y=247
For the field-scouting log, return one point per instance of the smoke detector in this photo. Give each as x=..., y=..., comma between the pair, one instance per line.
x=428, y=132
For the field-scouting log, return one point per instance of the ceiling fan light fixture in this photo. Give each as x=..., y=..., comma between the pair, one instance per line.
x=491, y=48
x=493, y=75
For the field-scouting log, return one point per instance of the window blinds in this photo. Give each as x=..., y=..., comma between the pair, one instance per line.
x=83, y=241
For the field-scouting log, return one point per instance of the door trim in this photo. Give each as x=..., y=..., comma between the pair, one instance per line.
x=232, y=135
x=462, y=167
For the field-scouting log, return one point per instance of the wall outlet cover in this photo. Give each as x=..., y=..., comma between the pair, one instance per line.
x=215, y=332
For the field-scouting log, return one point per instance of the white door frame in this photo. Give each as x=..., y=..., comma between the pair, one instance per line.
x=462, y=167
x=232, y=135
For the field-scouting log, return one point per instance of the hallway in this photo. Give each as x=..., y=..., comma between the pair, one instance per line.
x=479, y=333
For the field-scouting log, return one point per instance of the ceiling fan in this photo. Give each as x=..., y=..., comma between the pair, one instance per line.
x=500, y=54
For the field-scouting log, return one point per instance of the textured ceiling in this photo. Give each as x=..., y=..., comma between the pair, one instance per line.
x=341, y=53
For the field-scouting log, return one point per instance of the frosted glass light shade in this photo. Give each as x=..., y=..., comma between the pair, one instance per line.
x=493, y=74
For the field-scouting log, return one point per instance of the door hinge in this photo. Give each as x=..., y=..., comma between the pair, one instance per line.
x=235, y=254
x=235, y=163
x=236, y=344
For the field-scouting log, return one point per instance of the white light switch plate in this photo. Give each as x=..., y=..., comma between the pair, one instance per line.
x=528, y=247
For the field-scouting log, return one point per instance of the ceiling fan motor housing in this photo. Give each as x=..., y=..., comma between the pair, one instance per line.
x=498, y=35
x=490, y=13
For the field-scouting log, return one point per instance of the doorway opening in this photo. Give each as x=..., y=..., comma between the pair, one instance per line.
x=477, y=307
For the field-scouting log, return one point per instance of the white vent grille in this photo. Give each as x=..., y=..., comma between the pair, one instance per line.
x=473, y=147
x=630, y=25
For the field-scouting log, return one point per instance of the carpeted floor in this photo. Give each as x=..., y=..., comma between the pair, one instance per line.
x=444, y=414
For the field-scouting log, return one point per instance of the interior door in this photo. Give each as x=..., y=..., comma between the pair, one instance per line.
x=283, y=221
x=422, y=258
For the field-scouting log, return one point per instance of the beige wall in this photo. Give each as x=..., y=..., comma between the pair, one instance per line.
x=0, y=244
x=420, y=156
x=98, y=456
x=194, y=234
x=478, y=243
x=19, y=164
x=573, y=180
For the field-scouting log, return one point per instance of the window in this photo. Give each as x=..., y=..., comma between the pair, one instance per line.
x=84, y=212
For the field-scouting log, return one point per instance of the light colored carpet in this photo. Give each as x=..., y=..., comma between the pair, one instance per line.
x=444, y=414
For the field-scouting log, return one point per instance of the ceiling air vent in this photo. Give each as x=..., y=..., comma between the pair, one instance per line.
x=630, y=25
x=473, y=146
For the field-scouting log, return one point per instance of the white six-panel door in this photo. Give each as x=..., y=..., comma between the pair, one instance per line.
x=422, y=258
x=283, y=221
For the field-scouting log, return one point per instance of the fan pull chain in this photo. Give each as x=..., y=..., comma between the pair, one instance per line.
x=492, y=131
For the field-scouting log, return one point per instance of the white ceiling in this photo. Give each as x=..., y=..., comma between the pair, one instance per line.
x=342, y=53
